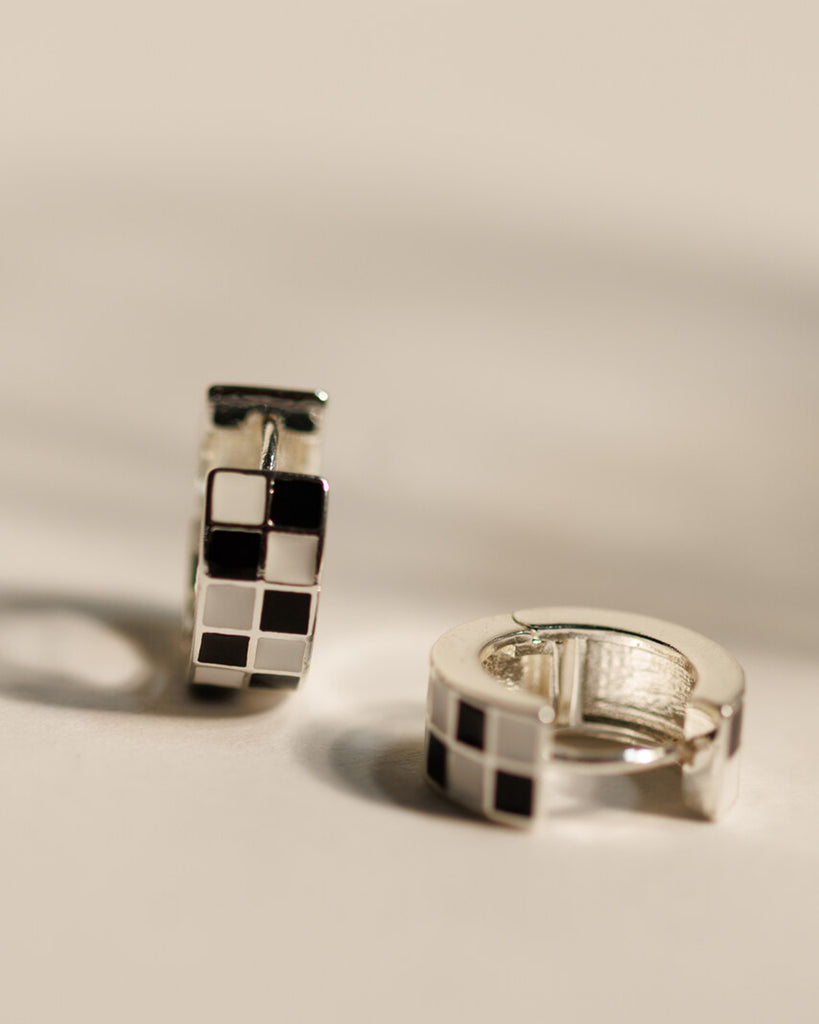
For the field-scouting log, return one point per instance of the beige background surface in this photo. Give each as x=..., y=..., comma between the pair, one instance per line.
x=557, y=269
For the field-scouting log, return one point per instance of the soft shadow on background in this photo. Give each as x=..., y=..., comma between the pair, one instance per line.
x=106, y=655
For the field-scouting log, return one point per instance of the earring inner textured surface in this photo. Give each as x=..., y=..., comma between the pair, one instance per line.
x=258, y=538
x=587, y=689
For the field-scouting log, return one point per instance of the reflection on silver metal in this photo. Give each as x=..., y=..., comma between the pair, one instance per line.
x=592, y=690
x=258, y=538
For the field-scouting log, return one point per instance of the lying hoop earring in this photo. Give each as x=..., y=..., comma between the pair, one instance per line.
x=606, y=692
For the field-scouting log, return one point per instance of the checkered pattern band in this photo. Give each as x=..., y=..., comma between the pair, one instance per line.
x=258, y=563
x=482, y=757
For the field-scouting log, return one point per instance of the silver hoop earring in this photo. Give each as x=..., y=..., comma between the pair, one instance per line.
x=512, y=696
x=258, y=538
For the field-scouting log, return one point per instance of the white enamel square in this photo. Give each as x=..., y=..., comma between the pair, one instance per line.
x=439, y=706
x=219, y=676
x=239, y=498
x=518, y=738
x=229, y=607
x=291, y=558
x=464, y=779
x=276, y=655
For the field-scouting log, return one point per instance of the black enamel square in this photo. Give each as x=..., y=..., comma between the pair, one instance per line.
x=513, y=794
x=298, y=503
x=284, y=611
x=436, y=761
x=271, y=681
x=223, y=649
x=233, y=554
x=471, y=723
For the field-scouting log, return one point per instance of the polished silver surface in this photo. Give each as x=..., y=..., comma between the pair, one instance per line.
x=587, y=689
x=262, y=428
x=257, y=538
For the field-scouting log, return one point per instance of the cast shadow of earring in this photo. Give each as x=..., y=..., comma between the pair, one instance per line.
x=105, y=655
x=382, y=759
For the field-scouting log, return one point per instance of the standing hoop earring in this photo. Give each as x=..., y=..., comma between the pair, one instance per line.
x=258, y=538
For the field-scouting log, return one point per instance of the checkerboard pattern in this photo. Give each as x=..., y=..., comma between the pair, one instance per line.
x=481, y=757
x=257, y=580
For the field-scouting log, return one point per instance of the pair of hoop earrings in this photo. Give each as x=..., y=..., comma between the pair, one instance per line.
x=509, y=696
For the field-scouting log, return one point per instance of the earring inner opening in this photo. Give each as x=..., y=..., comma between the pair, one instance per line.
x=617, y=699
